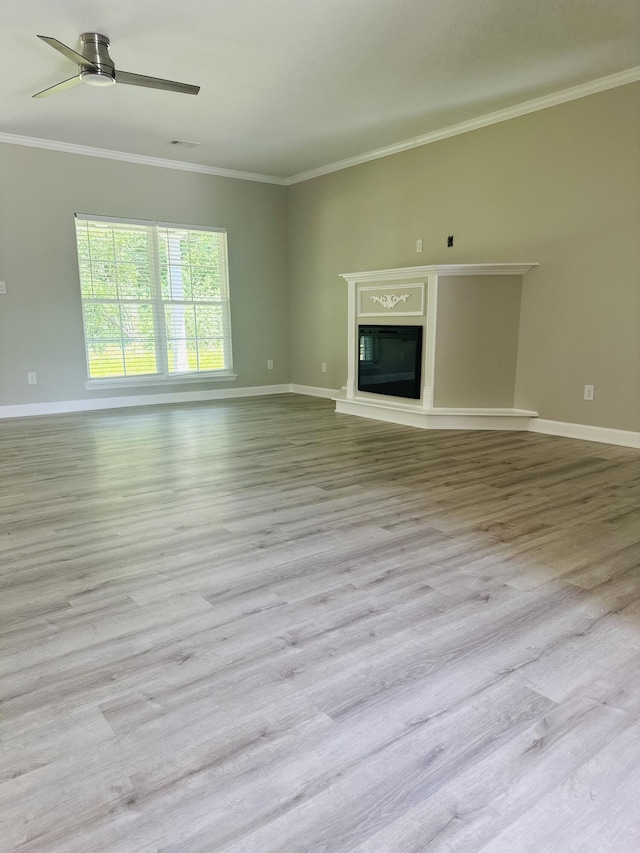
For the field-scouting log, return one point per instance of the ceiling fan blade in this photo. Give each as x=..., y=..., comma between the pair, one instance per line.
x=59, y=87
x=155, y=83
x=73, y=55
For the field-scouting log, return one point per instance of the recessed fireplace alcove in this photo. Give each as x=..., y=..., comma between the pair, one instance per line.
x=468, y=316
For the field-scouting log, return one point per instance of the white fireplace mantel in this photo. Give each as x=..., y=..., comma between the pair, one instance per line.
x=439, y=270
x=466, y=384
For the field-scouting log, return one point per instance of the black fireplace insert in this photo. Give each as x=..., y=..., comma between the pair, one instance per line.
x=389, y=361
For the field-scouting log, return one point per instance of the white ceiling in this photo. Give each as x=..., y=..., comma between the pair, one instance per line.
x=292, y=85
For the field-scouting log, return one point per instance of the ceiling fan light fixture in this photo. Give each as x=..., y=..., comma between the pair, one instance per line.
x=97, y=78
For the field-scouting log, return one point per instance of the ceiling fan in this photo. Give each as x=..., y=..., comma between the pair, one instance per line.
x=97, y=69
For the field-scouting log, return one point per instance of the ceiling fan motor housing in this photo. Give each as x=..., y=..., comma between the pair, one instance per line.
x=95, y=49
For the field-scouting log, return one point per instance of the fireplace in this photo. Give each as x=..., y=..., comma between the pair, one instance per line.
x=435, y=346
x=389, y=360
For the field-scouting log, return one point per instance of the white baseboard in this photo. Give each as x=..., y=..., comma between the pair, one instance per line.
x=586, y=432
x=25, y=410
x=478, y=419
x=436, y=418
x=313, y=391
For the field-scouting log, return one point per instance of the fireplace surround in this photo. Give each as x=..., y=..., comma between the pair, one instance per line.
x=468, y=315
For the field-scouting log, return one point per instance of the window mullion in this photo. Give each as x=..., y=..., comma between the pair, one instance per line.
x=228, y=344
x=158, y=307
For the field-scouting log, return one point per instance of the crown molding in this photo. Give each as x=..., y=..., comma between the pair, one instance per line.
x=632, y=75
x=139, y=159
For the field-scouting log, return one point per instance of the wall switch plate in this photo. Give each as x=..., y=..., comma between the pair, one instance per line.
x=324, y=366
x=419, y=245
x=589, y=391
x=3, y=287
x=32, y=378
x=270, y=365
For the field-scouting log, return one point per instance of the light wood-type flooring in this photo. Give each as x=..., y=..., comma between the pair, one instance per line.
x=255, y=626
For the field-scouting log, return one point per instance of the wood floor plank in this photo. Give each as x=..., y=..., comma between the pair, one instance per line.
x=499, y=789
x=368, y=795
x=594, y=809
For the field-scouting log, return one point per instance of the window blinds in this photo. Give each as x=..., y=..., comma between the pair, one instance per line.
x=155, y=298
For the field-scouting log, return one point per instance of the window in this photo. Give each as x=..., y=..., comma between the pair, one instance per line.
x=155, y=300
x=368, y=348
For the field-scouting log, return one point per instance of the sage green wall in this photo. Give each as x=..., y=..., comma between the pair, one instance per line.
x=560, y=187
x=40, y=317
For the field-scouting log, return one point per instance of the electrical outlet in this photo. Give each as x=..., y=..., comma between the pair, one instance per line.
x=32, y=378
x=270, y=365
x=3, y=287
x=419, y=245
x=589, y=391
x=449, y=241
x=324, y=366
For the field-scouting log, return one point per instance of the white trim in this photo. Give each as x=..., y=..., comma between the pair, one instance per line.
x=437, y=418
x=139, y=159
x=25, y=410
x=142, y=381
x=430, y=328
x=148, y=223
x=563, y=96
x=437, y=269
x=587, y=432
x=312, y=391
x=352, y=340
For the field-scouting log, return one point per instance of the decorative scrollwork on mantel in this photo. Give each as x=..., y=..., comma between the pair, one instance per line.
x=390, y=300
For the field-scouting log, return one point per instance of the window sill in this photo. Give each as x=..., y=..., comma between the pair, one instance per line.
x=140, y=381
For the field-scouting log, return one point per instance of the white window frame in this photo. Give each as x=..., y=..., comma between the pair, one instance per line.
x=163, y=377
